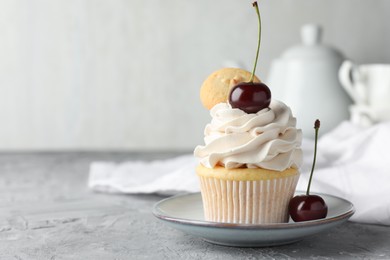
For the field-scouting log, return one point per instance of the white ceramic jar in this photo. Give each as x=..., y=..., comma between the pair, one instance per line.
x=306, y=79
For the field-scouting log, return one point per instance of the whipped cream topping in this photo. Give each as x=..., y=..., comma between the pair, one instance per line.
x=268, y=139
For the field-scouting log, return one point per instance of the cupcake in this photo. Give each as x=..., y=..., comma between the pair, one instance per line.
x=249, y=165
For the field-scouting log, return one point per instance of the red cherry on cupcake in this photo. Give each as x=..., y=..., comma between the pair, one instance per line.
x=249, y=96
x=308, y=207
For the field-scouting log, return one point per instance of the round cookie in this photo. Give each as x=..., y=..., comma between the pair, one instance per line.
x=216, y=88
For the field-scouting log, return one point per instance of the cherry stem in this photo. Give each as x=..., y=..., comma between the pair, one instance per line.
x=258, y=42
x=316, y=127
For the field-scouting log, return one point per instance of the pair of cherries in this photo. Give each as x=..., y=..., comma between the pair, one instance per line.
x=252, y=97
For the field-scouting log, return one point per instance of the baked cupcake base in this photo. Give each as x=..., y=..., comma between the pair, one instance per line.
x=246, y=196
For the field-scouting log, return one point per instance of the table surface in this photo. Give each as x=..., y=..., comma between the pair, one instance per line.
x=47, y=212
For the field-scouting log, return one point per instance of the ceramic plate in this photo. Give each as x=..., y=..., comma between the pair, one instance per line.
x=185, y=213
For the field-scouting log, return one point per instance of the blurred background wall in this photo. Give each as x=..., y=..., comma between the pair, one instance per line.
x=125, y=74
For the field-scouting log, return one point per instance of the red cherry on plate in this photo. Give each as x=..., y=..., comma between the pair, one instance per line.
x=307, y=207
x=250, y=97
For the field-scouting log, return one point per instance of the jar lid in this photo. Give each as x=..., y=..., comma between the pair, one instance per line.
x=311, y=47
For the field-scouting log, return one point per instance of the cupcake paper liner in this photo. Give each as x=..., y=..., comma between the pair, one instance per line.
x=247, y=202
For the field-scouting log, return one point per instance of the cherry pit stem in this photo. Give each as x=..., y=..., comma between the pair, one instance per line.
x=316, y=127
x=258, y=41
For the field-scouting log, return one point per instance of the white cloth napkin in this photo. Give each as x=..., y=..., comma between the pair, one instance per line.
x=352, y=163
x=163, y=176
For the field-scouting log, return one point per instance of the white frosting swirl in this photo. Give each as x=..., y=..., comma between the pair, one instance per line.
x=267, y=139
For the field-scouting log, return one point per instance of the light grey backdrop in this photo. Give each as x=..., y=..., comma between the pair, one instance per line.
x=120, y=74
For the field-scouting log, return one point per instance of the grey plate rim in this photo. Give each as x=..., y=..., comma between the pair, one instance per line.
x=160, y=215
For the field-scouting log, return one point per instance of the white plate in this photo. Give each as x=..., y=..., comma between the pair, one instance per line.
x=185, y=213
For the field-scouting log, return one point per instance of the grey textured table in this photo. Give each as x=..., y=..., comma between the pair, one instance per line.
x=47, y=212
